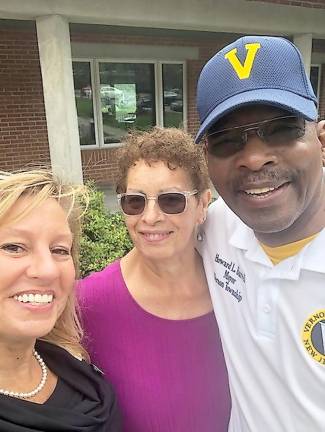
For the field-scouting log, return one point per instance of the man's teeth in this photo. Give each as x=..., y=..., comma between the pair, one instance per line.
x=34, y=298
x=259, y=191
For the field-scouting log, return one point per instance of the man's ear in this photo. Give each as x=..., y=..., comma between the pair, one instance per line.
x=321, y=132
x=321, y=137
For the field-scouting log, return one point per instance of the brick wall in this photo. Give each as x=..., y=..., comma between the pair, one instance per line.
x=23, y=140
x=319, y=4
x=23, y=137
x=100, y=165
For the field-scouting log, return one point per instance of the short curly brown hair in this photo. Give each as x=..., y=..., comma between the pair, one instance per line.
x=172, y=146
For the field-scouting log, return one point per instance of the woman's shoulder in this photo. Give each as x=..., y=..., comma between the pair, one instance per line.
x=85, y=384
x=112, y=270
x=101, y=280
x=72, y=368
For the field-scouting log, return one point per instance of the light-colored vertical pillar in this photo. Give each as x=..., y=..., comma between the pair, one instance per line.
x=304, y=43
x=61, y=115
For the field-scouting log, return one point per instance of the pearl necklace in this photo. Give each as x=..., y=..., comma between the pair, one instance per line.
x=38, y=388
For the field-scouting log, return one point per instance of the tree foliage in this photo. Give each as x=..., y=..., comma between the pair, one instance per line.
x=104, y=235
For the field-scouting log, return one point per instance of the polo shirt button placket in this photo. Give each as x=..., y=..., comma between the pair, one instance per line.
x=267, y=308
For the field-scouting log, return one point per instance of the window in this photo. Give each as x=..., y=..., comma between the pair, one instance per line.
x=127, y=98
x=172, y=78
x=83, y=90
x=126, y=95
x=315, y=74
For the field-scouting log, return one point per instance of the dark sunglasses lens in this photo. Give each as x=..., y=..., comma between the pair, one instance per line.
x=172, y=202
x=225, y=144
x=133, y=204
x=283, y=130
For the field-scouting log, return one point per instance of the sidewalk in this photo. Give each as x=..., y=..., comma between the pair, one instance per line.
x=110, y=199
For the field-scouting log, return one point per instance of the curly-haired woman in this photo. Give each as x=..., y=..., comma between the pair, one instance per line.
x=148, y=317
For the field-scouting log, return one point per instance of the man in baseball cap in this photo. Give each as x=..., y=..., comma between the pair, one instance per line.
x=263, y=242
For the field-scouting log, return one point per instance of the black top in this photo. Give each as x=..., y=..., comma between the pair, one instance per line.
x=82, y=400
x=64, y=395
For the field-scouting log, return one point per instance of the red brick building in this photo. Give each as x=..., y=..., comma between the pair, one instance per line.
x=74, y=78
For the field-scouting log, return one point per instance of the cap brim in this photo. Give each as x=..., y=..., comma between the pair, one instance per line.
x=277, y=98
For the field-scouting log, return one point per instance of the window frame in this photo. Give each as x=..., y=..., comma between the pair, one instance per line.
x=93, y=97
x=161, y=92
x=158, y=85
x=319, y=67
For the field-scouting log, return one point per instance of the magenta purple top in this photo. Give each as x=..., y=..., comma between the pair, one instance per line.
x=169, y=375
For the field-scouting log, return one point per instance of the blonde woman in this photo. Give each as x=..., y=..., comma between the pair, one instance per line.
x=46, y=383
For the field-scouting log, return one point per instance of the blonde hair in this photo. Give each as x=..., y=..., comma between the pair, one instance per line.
x=40, y=185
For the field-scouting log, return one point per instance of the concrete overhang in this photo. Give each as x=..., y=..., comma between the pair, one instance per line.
x=233, y=16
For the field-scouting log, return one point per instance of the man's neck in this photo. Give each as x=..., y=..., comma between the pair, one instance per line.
x=310, y=222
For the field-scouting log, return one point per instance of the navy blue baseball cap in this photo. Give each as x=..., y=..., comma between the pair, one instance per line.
x=254, y=70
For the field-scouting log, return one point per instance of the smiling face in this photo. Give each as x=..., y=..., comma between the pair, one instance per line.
x=272, y=187
x=157, y=235
x=36, y=267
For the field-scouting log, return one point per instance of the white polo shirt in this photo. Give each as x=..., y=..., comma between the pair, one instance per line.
x=272, y=325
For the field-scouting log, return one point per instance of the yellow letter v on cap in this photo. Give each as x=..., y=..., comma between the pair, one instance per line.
x=243, y=71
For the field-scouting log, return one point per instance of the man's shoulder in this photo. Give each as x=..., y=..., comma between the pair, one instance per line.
x=313, y=257
x=224, y=230
x=220, y=216
x=218, y=207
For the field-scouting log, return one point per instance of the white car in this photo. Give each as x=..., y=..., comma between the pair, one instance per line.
x=109, y=91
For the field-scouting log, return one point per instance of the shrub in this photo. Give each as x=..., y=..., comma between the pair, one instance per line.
x=104, y=235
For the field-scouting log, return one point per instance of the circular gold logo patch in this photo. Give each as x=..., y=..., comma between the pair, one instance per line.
x=313, y=336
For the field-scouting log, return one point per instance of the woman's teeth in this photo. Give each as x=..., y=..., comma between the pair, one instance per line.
x=34, y=298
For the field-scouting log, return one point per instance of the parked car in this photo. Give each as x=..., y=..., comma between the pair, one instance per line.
x=109, y=91
x=169, y=96
x=86, y=92
x=144, y=103
x=177, y=105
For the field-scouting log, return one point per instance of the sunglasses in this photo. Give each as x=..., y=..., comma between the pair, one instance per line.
x=169, y=202
x=279, y=130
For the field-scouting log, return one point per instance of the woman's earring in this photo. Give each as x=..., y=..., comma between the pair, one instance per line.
x=199, y=235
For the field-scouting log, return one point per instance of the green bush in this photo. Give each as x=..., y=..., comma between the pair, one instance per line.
x=104, y=235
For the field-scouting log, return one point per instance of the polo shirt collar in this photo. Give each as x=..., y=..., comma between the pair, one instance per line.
x=311, y=257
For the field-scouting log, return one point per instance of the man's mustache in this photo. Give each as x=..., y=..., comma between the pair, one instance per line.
x=272, y=177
